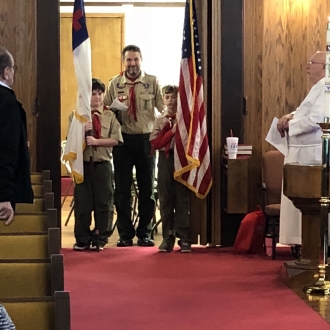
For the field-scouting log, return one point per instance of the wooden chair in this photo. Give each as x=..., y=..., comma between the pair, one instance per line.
x=272, y=173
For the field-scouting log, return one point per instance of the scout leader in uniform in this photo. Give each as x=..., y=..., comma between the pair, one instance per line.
x=141, y=93
x=106, y=134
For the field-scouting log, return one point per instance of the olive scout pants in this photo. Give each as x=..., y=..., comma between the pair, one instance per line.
x=83, y=203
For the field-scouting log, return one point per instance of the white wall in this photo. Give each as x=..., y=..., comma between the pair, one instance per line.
x=156, y=30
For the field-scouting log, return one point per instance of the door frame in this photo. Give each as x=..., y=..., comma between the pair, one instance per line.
x=48, y=102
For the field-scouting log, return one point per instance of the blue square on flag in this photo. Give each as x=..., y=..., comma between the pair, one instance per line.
x=79, y=28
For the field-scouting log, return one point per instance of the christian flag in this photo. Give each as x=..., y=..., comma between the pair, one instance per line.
x=192, y=155
x=81, y=47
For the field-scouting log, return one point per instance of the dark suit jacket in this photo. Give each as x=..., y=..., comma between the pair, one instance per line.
x=15, y=180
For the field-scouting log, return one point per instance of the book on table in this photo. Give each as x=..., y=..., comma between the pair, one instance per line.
x=241, y=152
x=242, y=147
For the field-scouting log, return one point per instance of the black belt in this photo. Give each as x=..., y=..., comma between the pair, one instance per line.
x=101, y=162
x=135, y=136
x=171, y=151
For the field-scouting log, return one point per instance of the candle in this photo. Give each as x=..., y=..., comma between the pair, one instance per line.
x=327, y=74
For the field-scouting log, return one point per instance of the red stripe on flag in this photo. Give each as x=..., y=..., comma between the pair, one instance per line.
x=192, y=155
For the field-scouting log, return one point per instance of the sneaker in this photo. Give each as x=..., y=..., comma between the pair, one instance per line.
x=167, y=244
x=163, y=247
x=185, y=247
x=145, y=241
x=101, y=246
x=124, y=242
x=80, y=246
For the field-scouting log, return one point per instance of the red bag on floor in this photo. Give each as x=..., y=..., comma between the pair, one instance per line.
x=251, y=234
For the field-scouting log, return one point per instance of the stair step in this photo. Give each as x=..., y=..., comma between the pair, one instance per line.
x=31, y=223
x=26, y=223
x=36, y=178
x=24, y=246
x=37, y=206
x=40, y=313
x=31, y=278
x=25, y=279
x=30, y=246
x=32, y=315
x=38, y=190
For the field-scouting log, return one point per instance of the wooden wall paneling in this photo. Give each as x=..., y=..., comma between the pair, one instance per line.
x=293, y=31
x=214, y=101
x=253, y=50
x=275, y=80
x=106, y=33
x=295, y=54
x=274, y=48
x=17, y=33
x=316, y=31
x=48, y=92
x=316, y=26
x=5, y=19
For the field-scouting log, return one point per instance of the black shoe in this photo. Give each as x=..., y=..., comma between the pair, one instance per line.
x=80, y=246
x=145, y=241
x=124, y=242
x=94, y=246
x=185, y=246
x=296, y=251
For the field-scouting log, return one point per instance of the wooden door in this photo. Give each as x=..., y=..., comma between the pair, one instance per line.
x=107, y=40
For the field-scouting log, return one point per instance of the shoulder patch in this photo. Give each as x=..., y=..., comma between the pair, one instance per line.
x=108, y=112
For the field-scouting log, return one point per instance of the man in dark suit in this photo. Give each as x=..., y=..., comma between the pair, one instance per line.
x=15, y=180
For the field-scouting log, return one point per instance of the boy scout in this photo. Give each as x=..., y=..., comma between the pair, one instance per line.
x=106, y=134
x=174, y=197
x=141, y=94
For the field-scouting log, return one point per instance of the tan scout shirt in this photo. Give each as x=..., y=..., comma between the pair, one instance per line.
x=148, y=97
x=110, y=128
x=159, y=124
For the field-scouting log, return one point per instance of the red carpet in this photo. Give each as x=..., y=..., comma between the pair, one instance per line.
x=141, y=289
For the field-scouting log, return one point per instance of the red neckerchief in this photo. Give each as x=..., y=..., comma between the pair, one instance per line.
x=131, y=112
x=96, y=124
x=164, y=137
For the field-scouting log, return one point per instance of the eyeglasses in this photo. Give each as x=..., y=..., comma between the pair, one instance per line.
x=313, y=62
x=14, y=67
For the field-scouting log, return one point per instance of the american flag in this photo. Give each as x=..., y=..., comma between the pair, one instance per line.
x=192, y=155
x=81, y=48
